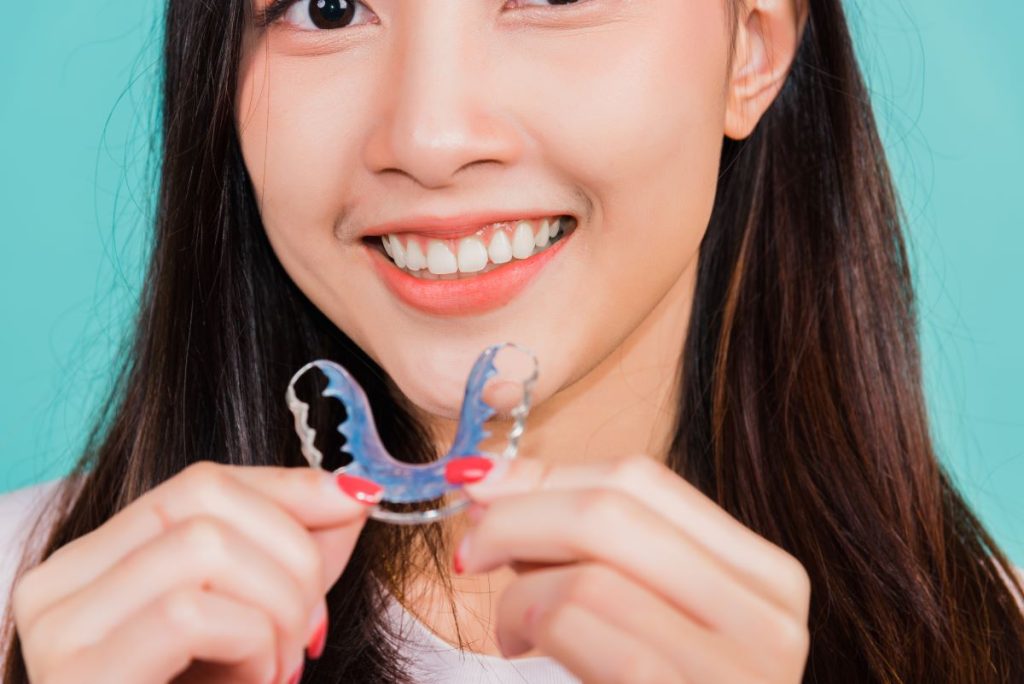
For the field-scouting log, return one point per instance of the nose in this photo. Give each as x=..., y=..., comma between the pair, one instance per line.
x=439, y=113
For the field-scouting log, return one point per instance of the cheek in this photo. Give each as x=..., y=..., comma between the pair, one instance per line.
x=638, y=123
x=630, y=114
x=298, y=139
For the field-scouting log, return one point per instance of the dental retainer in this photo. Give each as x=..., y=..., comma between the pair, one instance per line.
x=499, y=386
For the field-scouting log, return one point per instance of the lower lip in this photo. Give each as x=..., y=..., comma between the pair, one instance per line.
x=468, y=295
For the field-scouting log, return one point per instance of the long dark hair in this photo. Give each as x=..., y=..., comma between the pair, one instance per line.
x=801, y=410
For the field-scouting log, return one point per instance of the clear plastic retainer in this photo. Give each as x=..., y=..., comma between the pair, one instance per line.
x=500, y=383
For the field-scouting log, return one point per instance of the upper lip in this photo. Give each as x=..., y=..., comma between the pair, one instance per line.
x=454, y=226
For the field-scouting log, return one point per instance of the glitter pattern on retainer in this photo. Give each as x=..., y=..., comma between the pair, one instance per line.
x=408, y=482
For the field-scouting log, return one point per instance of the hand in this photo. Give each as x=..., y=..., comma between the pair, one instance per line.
x=218, y=574
x=627, y=573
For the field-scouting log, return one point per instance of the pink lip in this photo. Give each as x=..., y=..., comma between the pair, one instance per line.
x=465, y=296
x=452, y=227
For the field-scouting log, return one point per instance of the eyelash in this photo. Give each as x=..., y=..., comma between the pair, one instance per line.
x=278, y=8
x=274, y=11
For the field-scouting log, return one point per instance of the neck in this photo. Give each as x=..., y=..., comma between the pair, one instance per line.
x=625, y=405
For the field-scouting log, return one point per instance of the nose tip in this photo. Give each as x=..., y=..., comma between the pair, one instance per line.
x=432, y=142
x=440, y=108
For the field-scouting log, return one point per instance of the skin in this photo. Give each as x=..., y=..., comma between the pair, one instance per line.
x=474, y=117
x=609, y=110
x=263, y=547
x=626, y=573
x=453, y=107
x=587, y=549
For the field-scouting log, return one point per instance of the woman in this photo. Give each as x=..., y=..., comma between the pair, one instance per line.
x=727, y=474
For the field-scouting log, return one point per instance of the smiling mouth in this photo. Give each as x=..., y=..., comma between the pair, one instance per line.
x=489, y=248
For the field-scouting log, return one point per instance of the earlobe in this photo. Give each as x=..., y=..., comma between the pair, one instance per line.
x=767, y=37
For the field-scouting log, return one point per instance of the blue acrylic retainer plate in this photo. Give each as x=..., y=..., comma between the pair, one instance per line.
x=501, y=381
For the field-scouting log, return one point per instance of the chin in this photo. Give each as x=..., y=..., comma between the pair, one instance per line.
x=434, y=377
x=432, y=393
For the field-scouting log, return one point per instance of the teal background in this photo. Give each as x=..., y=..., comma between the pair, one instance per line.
x=77, y=102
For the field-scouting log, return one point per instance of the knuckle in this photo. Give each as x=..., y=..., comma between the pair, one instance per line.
x=209, y=489
x=46, y=635
x=288, y=612
x=600, y=505
x=23, y=596
x=792, y=582
x=205, y=540
x=309, y=564
x=179, y=611
x=787, y=636
x=796, y=639
x=635, y=468
x=591, y=585
x=199, y=471
x=265, y=635
x=206, y=482
x=798, y=580
x=295, y=616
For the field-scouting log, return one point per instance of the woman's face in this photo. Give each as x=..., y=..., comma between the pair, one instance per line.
x=443, y=124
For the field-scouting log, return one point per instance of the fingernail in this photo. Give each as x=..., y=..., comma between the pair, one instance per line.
x=362, y=490
x=499, y=466
x=467, y=469
x=315, y=647
x=294, y=679
x=460, y=553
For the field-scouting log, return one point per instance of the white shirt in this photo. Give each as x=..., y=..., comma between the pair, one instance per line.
x=435, y=660
x=432, y=660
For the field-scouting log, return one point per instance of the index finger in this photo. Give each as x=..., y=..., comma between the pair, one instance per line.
x=264, y=501
x=316, y=498
x=750, y=556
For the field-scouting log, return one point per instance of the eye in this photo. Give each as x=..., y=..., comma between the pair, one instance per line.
x=542, y=3
x=315, y=15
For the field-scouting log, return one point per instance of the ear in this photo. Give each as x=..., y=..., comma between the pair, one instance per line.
x=767, y=37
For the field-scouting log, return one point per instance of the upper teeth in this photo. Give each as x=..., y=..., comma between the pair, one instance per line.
x=495, y=244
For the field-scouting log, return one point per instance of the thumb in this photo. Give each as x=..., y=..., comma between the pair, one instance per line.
x=337, y=542
x=336, y=545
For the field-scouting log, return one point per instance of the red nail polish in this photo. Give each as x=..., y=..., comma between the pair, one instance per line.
x=294, y=679
x=457, y=562
x=315, y=648
x=468, y=469
x=360, y=489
